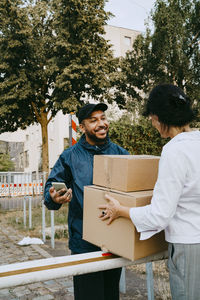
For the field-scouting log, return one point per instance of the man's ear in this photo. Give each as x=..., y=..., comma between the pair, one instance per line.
x=82, y=128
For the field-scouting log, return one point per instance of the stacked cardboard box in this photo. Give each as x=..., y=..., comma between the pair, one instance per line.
x=130, y=179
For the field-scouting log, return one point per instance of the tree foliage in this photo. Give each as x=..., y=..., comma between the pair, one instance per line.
x=53, y=54
x=169, y=54
x=137, y=138
x=5, y=163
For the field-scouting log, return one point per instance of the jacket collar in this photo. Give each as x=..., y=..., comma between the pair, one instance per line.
x=96, y=148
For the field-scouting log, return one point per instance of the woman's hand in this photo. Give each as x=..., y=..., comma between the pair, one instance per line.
x=110, y=210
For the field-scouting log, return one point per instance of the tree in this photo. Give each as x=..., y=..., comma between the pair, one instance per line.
x=5, y=163
x=170, y=54
x=53, y=56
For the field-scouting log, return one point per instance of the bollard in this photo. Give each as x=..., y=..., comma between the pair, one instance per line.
x=122, y=282
x=43, y=222
x=25, y=211
x=30, y=211
x=150, y=284
x=52, y=230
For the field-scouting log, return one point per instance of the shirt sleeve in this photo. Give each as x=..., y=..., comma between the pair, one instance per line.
x=153, y=218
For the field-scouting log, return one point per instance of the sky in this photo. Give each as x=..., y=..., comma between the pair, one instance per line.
x=129, y=13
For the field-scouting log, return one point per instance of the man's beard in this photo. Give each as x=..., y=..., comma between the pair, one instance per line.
x=95, y=139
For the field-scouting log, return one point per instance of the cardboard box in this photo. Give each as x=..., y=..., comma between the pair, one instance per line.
x=120, y=237
x=126, y=172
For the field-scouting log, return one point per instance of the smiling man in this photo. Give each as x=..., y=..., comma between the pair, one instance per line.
x=75, y=168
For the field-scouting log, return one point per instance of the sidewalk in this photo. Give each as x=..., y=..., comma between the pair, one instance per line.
x=10, y=252
x=59, y=289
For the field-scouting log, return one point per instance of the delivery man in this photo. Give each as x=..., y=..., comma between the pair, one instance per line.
x=74, y=167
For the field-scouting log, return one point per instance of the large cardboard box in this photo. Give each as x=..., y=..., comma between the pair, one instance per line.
x=126, y=172
x=121, y=236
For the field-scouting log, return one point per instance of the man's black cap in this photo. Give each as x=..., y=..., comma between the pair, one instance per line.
x=86, y=110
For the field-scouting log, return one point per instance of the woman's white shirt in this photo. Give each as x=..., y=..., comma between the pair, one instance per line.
x=175, y=204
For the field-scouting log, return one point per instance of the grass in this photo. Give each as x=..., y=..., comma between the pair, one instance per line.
x=15, y=218
x=161, y=278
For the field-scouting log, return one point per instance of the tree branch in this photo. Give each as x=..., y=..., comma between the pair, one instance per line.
x=36, y=112
x=49, y=119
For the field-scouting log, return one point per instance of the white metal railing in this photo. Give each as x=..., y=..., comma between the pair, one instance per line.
x=15, y=177
x=13, y=184
x=57, y=267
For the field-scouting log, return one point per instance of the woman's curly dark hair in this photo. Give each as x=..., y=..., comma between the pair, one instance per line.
x=170, y=104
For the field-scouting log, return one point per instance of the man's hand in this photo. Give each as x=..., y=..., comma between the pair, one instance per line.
x=61, y=196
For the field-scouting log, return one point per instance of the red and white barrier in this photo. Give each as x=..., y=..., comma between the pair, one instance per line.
x=72, y=129
x=21, y=189
x=4, y=189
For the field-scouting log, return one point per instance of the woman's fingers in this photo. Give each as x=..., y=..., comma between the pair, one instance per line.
x=104, y=216
x=109, y=198
x=109, y=210
x=103, y=206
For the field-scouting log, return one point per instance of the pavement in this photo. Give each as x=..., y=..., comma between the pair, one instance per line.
x=11, y=252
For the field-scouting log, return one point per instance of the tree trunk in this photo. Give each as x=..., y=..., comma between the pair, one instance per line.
x=45, y=148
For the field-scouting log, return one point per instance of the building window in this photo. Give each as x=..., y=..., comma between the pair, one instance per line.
x=127, y=41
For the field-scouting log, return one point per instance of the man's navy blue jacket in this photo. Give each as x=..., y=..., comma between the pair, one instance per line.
x=75, y=168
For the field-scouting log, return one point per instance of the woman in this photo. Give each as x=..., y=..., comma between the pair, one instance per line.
x=175, y=205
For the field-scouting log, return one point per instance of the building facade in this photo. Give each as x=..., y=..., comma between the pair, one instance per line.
x=121, y=39
x=29, y=156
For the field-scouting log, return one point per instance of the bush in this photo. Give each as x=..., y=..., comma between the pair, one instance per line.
x=5, y=163
x=137, y=138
